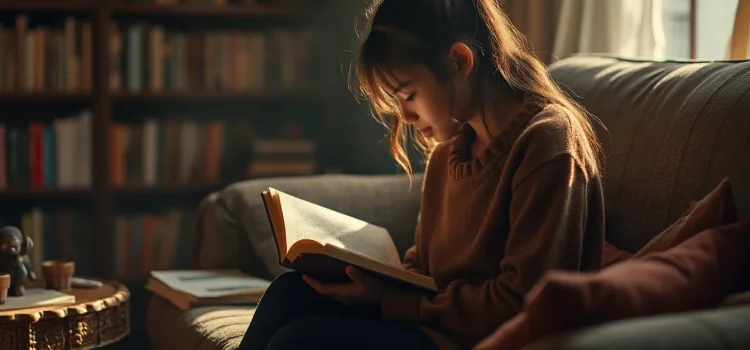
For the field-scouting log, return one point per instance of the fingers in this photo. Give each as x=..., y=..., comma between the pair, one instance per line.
x=346, y=289
x=359, y=276
x=355, y=274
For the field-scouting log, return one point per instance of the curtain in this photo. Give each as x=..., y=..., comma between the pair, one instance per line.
x=538, y=20
x=740, y=43
x=560, y=28
x=631, y=28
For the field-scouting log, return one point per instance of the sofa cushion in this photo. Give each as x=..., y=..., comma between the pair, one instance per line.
x=673, y=131
x=384, y=200
x=706, y=329
x=697, y=274
x=201, y=328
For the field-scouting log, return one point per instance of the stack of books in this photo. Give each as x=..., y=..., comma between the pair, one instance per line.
x=191, y=288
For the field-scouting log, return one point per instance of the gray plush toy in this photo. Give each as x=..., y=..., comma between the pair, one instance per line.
x=14, y=259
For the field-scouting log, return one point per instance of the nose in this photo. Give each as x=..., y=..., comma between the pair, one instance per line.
x=408, y=116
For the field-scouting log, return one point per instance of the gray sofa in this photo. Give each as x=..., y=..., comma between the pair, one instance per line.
x=673, y=131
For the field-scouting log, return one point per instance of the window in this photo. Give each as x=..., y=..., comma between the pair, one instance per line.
x=714, y=20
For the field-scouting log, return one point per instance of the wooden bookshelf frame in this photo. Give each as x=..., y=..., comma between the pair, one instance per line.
x=48, y=5
x=102, y=101
x=198, y=11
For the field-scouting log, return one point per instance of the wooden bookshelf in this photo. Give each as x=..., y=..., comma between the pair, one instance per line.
x=43, y=194
x=218, y=96
x=167, y=190
x=45, y=97
x=261, y=11
x=106, y=102
x=47, y=5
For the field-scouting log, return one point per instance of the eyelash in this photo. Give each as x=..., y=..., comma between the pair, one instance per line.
x=411, y=97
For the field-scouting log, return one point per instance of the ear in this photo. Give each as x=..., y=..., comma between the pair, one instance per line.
x=460, y=59
x=26, y=243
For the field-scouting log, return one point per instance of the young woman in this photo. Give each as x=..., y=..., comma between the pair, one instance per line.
x=512, y=187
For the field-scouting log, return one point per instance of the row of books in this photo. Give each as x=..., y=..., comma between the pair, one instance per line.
x=146, y=57
x=56, y=235
x=196, y=152
x=59, y=155
x=166, y=151
x=152, y=241
x=55, y=57
x=47, y=155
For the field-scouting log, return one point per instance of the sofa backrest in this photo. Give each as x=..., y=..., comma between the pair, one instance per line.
x=674, y=131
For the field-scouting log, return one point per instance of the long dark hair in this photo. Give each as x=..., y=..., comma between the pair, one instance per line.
x=407, y=32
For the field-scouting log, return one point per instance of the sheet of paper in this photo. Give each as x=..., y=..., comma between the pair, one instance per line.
x=211, y=283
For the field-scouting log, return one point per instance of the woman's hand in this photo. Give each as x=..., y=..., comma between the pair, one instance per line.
x=363, y=288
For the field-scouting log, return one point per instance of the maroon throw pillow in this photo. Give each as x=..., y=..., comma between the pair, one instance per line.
x=698, y=273
x=715, y=209
x=612, y=255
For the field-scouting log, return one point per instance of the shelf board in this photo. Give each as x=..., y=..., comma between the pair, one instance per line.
x=46, y=5
x=167, y=189
x=209, y=11
x=44, y=97
x=42, y=194
x=212, y=96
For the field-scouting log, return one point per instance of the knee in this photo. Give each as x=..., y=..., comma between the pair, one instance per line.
x=287, y=281
x=299, y=333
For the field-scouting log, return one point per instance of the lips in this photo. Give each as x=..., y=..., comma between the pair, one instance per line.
x=426, y=131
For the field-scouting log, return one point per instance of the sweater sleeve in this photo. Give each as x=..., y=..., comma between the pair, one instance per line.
x=412, y=260
x=548, y=214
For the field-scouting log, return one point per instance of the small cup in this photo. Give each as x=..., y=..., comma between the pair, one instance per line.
x=4, y=286
x=58, y=273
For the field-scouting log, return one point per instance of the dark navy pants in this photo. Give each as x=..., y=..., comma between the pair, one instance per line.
x=292, y=315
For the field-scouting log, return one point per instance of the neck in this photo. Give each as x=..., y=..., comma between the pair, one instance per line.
x=500, y=105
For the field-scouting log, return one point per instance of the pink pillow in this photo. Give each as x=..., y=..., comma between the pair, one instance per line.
x=612, y=255
x=696, y=274
x=715, y=209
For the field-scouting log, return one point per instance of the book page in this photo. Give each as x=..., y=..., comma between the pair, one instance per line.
x=305, y=220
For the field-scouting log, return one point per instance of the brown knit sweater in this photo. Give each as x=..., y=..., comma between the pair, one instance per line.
x=491, y=226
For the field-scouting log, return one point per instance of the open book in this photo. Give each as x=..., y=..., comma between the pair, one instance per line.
x=321, y=242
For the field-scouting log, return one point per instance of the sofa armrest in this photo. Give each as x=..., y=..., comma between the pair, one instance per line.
x=239, y=215
x=218, y=241
x=724, y=328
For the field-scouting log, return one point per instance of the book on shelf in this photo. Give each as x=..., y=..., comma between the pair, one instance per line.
x=149, y=241
x=46, y=155
x=37, y=297
x=147, y=57
x=321, y=242
x=155, y=151
x=53, y=56
x=190, y=288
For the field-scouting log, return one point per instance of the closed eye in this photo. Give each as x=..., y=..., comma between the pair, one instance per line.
x=411, y=97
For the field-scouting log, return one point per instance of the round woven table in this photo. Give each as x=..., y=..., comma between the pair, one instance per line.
x=99, y=316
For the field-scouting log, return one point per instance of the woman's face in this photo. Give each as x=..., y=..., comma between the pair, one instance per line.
x=430, y=105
